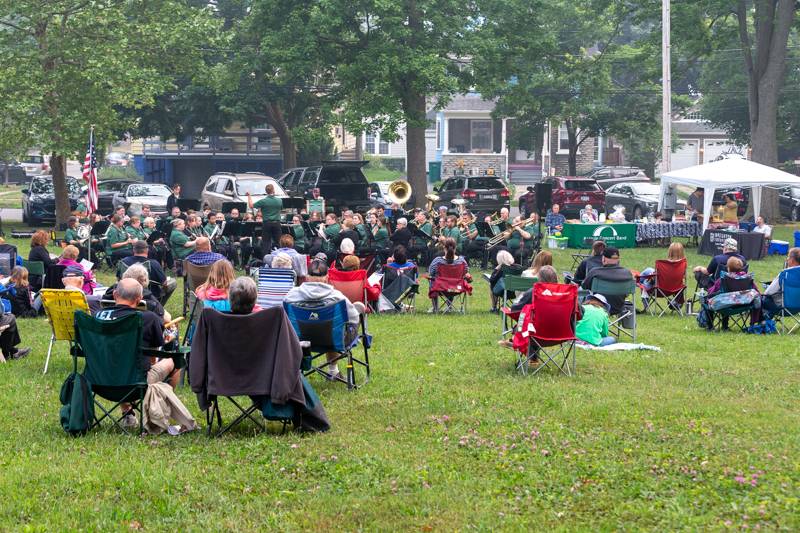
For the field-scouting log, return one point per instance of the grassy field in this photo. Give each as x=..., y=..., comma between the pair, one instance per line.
x=702, y=435
x=381, y=174
x=11, y=196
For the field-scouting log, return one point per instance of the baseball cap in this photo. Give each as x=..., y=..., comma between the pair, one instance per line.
x=611, y=252
x=602, y=299
x=72, y=271
x=731, y=244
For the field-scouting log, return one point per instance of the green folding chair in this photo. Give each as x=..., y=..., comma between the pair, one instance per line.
x=516, y=285
x=625, y=322
x=35, y=268
x=113, y=352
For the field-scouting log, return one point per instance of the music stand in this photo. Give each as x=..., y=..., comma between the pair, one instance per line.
x=232, y=229
x=484, y=229
x=186, y=204
x=154, y=237
x=227, y=207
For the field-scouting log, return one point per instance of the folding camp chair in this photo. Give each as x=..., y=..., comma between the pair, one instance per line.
x=739, y=315
x=193, y=277
x=273, y=285
x=60, y=307
x=400, y=287
x=552, y=336
x=451, y=288
x=669, y=282
x=35, y=268
x=325, y=327
x=353, y=284
x=8, y=258
x=53, y=277
x=231, y=371
x=113, y=352
x=625, y=322
x=122, y=267
x=789, y=315
x=512, y=285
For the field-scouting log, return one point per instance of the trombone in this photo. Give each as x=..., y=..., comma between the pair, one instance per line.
x=503, y=235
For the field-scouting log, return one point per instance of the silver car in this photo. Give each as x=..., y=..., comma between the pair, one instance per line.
x=135, y=195
x=224, y=187
x=34, y=165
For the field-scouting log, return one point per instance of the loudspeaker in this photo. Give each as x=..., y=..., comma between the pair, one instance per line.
x=544, y=197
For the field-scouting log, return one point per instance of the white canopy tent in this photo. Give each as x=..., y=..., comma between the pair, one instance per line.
x=725, y=174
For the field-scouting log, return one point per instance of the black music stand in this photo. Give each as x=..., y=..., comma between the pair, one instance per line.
x=186, y=204
x=154, y=237
x=227, y=207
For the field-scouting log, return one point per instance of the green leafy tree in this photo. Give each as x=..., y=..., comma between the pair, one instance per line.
x=84, y=61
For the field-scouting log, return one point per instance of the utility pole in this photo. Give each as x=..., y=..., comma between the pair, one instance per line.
x=666, y=89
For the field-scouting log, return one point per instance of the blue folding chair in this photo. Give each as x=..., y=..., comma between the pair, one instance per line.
x=327, y=330
x=273, y=286
x=789, y=280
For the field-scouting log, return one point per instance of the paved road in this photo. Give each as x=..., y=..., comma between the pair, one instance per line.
x=11, y=214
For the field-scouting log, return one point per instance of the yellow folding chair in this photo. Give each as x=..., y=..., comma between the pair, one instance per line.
x=60, y=306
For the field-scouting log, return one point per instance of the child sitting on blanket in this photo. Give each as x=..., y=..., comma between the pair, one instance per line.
x=592, y=328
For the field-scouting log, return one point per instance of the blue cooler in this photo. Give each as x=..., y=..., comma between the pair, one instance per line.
x=797, y=238
x=779, y=247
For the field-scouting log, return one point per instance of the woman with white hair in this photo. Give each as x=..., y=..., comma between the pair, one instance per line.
x=505, y=266
x=282, y=260
x=347, y=246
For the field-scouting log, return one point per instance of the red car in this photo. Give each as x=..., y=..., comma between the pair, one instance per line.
x=572, y=194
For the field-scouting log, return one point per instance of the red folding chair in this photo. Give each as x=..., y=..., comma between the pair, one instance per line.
x=451, y=288
x=552, y=333
x=670, y=283
x=353, y=284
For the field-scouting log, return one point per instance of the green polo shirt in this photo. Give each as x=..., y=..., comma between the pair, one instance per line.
x=299, y=235
x=426, y=228
x=116, y=235
x=177, y=240
x=381, y=238
x=270, y=207
x=136, y=233
x=71, y=235
x=453, y=233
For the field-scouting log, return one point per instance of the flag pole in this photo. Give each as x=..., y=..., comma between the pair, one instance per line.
x=91, y=141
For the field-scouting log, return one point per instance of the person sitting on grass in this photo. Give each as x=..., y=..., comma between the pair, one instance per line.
x=592, y=328
x=20, y=296
x=73, y=280
x=317, y=290
x=705, y=276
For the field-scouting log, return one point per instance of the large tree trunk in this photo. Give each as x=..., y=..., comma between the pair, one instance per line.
x=572, y=158
x=415, y=146
x=58, y=166
x=766, y=68
x=359, y=147
x=288, y=144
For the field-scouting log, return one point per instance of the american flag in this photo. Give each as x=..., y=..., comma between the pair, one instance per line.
x=90, y=175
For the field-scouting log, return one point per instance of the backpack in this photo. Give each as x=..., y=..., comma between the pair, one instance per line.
x=77, y=413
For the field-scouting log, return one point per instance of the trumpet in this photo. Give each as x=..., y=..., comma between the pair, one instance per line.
x=503, y=235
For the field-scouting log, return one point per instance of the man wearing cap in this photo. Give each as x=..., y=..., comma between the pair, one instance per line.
x=705, y=275
x=610, y=271
x=72, y=278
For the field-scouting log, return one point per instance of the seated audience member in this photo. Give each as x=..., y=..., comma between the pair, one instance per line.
x=203, y=254
x=9, y=338
x=73, y=280
x=139, y=273
x=317, y=290
x=286, y=246
x=589, y=214
x=399, y=259
x=282, y=260
x=610, y=271
x=69, y=257
x=547, y=274
x=592, y=328
x=593, y=261
x=20, y=296
x=734, y=269
x=242, y=296
x=449, y=258
x=348, y=233
x=496, y=281
x=554, y=221
x=762, y=227
x=675, y=253
x=705, y=275
x=347, y=247
x=543, y=258
x=350, y=263
x=39, y=252
x=772, y=302
x=214, y=292
x=162, y=286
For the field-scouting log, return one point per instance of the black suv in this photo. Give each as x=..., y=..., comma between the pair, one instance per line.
x=342, y=184
x=39, y=200
x=482, y=194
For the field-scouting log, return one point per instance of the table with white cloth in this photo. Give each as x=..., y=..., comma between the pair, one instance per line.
x=651, y=231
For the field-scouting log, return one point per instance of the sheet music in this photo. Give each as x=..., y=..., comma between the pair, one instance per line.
x=86, y=264
x=375, y=278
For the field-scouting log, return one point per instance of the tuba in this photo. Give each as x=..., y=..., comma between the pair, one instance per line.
x=399, y=192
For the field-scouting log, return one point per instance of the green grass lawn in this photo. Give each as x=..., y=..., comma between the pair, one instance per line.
x=702, y=435
x=381, y=174
x=11, y=196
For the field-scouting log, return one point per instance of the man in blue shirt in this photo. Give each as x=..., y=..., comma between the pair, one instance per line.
x=203, y=254
x=705, y=276
x=555, y=220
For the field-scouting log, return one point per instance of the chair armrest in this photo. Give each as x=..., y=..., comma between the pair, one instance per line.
x=178, y=356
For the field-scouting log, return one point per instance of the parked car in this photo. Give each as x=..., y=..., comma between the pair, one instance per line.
x=106, y=190
x=342, y=184
x=117, y=159
x=228, y=187
x=136, y=194
x=789, y=201
x=608, y=176
x=638, y=199
x=16, y=173
x=35, y=165
x=483, y=194
x=39, y=200
x=573, y=193
x=379, y=191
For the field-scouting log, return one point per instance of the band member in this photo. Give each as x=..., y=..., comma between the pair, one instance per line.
x=521, y=241
x=473, y=246
x=71, y=237
x=379, y=236
x=180, y=243
x=419, y=245
x=299, y=234
x=348, y=232
x=194, y=227
x=135, y=229
x=401, y=235
x=118, y=242
x=361, y=229
x=270, y=207
x=146, y=213
x=172, y=200
x=451, y=231
x=211, y=224
x=158, y=250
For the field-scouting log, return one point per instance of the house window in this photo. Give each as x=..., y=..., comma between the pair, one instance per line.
x=438, y=134
x=563, y=138
x=694, y=115
x=383, y=147
x=369, y=143
x=481, y=136
x=597, y=142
